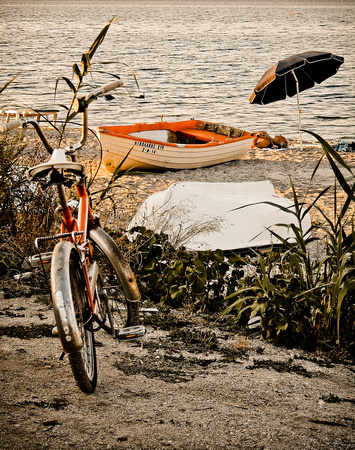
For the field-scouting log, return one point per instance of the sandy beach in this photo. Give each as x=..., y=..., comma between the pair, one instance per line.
x=277, y=166
x=192, y=382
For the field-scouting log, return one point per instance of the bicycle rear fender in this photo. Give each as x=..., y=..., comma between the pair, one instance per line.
x=118, y=261
x=69, y=333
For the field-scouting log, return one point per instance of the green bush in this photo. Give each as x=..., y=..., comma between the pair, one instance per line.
x=301, y=301
x=177, y=277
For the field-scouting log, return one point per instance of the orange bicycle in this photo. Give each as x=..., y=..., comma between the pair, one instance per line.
x=92, y=285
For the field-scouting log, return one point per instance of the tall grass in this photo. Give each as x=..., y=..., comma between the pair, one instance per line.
x=26, y=211
x=80, y=72
x=302, y=300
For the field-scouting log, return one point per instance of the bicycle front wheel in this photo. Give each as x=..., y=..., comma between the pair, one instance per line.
x=73, y=315
x=119, y=288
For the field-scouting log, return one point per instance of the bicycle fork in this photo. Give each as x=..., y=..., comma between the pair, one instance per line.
x=70, y=225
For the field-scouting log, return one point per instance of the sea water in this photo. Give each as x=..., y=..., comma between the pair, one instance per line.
x=192, y=59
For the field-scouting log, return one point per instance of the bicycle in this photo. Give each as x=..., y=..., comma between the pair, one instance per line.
x=92, y=285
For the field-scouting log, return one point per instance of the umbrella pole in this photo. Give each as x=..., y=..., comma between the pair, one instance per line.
x=299, y=111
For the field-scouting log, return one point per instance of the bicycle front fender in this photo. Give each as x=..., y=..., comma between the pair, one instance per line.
x=118, y=261
x=68, y=330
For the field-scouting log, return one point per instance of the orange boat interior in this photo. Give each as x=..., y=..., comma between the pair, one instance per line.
x=185, y=132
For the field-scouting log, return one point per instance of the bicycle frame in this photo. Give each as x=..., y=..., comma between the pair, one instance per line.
x=86, y=263
x=76, y=231
x=79, y=228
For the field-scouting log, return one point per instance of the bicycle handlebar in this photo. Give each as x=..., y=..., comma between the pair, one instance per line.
x=104, y=89
x=4, y=127
x=80, y=105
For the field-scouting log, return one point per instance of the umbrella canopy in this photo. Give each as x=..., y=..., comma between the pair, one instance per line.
x=307, y=68
x=293, y=75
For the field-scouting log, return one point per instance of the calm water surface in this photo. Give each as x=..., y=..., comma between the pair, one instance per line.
x=197, y=59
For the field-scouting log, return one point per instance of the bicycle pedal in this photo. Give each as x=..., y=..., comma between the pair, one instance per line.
x=131, y=333
x=40, y=258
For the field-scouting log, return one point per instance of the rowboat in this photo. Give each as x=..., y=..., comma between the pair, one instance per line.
x=226, y=216
x=171, y=145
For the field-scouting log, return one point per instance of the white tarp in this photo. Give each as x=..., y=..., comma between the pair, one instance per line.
x=210, y=216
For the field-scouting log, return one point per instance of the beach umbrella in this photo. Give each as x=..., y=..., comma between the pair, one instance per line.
x=293, y=75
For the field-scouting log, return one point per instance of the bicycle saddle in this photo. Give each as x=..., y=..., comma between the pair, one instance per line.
x=58, y=161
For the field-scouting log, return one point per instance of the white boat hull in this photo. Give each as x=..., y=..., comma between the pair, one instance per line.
x=225, y=216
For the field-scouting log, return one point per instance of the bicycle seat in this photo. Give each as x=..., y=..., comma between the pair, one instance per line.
x=58, y=161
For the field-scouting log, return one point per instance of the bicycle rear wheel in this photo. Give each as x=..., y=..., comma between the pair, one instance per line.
x=119, y=284
x=103, y=316
x=73, y=315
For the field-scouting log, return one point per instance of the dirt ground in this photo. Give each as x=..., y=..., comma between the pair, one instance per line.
x=189, y=383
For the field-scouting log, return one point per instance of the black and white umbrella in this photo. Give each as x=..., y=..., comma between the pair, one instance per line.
x=294, y=75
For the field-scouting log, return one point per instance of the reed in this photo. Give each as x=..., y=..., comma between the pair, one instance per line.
x=302, y=300
x=27, y=211
x=80, y=72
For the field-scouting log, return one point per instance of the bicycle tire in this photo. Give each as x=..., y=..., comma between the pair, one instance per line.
x=120, y=285
x=73, y=315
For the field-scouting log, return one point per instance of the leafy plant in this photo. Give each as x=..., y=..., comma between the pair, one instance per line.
x=26, y=211
x=81, y=72
x=177, y=277
x=6, y=85
x=106, y=192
